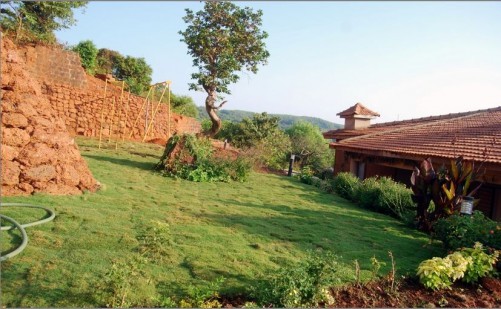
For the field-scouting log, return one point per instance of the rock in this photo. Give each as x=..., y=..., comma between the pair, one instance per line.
x=15, y=137
x=26, y=109
x=11, y=190
x=40, y=173
x=9, y=153
x=61, y=189
x=26, y=187
x=70, y=175
x=16, y=120
x=10, y=173
x=36, y=154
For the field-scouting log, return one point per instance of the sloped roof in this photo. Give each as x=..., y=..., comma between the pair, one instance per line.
x=358, y=109
x=475, y=135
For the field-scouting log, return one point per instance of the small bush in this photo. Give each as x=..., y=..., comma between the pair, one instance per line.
x=458, y=231
x=346, y=185
x=386, y=196
x=435, y=273
x=204, y=296
x=368, y=193
x=194, y=161
x=394, y=198
x=468, y=264
x=480, y=265
x=306, y=176
x=304, y=284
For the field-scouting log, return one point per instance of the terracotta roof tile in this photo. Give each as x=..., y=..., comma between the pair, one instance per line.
x=358, y=109
x=474, y=135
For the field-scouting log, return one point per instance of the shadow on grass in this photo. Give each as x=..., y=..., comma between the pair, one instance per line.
x=349, y=232
x=147, y=166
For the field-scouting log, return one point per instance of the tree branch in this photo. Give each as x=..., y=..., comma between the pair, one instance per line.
x=220, y=105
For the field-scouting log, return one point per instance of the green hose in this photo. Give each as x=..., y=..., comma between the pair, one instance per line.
x=21, y=227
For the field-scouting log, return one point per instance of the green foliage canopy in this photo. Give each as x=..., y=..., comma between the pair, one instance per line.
x=135, y=71
x=223, y=39
x=184, y=105
x=309, y=143
x=88, y=53
x=107, y=60
x=36, y=21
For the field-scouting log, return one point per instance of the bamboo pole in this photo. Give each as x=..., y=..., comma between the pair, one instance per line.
x=155, y=111
x=102, y=113
x=114, y=111
x=139, y=113
x=126, y=117
x=110, y=128
x=168, y=111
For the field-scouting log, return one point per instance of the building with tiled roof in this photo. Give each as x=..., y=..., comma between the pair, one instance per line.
x=394, y=148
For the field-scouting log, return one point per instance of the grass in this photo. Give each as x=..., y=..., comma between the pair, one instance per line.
x=189, y=232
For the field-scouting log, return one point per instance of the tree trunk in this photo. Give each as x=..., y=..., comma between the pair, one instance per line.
x=211, y=110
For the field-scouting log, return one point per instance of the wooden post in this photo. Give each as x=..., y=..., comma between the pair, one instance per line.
x=111, y=119
x=126, y=117
x=102, y=113
x=114, y=111
x=139, y=113
x=168, y=111
x=155, y=111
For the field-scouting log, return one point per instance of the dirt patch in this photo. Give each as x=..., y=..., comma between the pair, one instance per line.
x=408, y=293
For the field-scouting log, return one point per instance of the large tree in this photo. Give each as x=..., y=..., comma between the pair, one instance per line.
x=223, y=39
x=37, y=20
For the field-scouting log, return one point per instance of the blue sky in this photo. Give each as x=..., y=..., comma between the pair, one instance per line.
x=401, y=59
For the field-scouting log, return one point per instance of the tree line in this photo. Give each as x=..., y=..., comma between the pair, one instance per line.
x=261, y=137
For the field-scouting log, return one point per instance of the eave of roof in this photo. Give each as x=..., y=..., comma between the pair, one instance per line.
x=474, y=135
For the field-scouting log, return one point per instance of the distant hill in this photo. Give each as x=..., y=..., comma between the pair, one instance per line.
x=286, y=121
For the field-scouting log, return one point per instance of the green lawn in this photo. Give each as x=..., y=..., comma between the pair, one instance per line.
x=195, y=233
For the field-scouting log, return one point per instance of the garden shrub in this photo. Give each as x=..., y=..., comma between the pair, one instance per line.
x=386, y=196
x=368, y=192
x=346, y=185
x=306, y=176
x=481, y=263
x=458, y=231
x=394, y=198
x=468, y=264
x=304, y=284
x=195, y=162
x=435, y=273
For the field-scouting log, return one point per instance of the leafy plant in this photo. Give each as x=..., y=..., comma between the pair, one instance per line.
x=306, y=176
x=446, y=188
x=459, y=231
x=384, y=195
x=480, y=265
x=303, y=284
x=120, y=285
x=435, y=273
x=203, y=297
x=346, y=185
x=375, y=267
x=154, y=240
x=468, y=264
